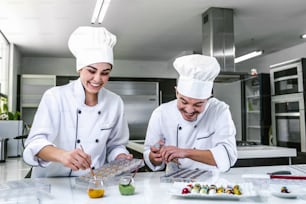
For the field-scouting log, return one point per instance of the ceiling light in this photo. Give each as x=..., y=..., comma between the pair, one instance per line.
x=100, y=11
x=303, y=36
x=248, y=56
x=103, y=10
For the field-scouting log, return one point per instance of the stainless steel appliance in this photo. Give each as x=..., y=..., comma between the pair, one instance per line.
x=288, y=103
x=140, y=99
x=11, y=129
x=257, y=108
x=288, y=77
x=3, y=149
x=288, y=121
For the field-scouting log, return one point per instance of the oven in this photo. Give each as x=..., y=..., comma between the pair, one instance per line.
x=288, y=121
x=288, y=77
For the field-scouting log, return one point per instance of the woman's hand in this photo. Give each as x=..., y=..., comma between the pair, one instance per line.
x=76, y=160
x=124, y=156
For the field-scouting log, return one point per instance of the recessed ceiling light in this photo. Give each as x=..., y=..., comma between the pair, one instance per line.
x=303, y=36
x=100, y=11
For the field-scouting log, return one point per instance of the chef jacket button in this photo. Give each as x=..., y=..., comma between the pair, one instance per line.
x=97, y=140
x=180, y=128
x=93, y=168
x=78, y=140
x=79, y=111
x=195, y=126
x=99, y=112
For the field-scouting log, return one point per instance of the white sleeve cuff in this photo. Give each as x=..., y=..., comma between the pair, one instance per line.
x=31, y=150
x=221, y=157
x=149, y=164
x=115, y=152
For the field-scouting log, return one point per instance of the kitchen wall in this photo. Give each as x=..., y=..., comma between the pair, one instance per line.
x=163, y=69
x=122, y=68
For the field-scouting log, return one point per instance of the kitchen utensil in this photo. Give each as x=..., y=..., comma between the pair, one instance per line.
x=91, y=170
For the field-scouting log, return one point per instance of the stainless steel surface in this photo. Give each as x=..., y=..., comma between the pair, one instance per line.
x=221, y=91
x=218, y=41
x=288, y=123
x=244, y=152
x=287, y=77
x=229, y=77
x=11, y=129
x=140, y=99
x=3, y=149
x=218, y=36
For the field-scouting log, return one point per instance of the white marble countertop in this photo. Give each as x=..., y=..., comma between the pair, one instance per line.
x=244, y=152
x=149, y=190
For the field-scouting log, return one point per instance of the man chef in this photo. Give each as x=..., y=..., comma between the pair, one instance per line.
x=195, y=130
x=80, y=125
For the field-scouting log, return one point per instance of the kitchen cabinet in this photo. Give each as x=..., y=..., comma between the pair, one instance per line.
x=258, y=108
x=32, y=88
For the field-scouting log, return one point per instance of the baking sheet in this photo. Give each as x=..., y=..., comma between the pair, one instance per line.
x=189, y=175
x=109, y=172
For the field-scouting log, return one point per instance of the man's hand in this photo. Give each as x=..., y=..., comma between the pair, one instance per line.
x=172, y=153
x=155, y=156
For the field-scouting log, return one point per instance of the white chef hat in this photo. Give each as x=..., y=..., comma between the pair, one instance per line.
x=196, y=75
x=92, y=45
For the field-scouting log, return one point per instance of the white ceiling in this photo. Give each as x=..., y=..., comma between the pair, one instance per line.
x=150, y=29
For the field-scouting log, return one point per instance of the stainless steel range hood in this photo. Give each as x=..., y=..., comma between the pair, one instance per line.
x=218, y=41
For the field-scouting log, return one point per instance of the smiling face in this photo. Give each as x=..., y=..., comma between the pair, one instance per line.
x=95, y=76
x=190, y=108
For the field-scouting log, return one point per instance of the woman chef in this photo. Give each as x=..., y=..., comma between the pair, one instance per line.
x=80, y=125
x=195, y=130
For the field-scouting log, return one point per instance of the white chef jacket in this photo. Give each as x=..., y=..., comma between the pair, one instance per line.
x=63, y=120
x=213, y=130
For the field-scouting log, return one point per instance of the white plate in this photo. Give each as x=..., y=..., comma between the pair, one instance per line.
x=285, y=195
x=294, y=191
x=247, y=190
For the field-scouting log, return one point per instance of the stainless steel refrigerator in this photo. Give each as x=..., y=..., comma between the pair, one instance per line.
x=140, y=99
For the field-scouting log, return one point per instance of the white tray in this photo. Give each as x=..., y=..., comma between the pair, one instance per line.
x=247, y=190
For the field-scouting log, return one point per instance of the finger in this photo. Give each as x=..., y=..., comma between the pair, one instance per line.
x=74, y=167
x=172, y=158
x=169, y=155
x=126, y=156
x=154, y=149
x=82, y=162
x=158, y=159
x=130, y=156
x=164, y=151
x=85, y=158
